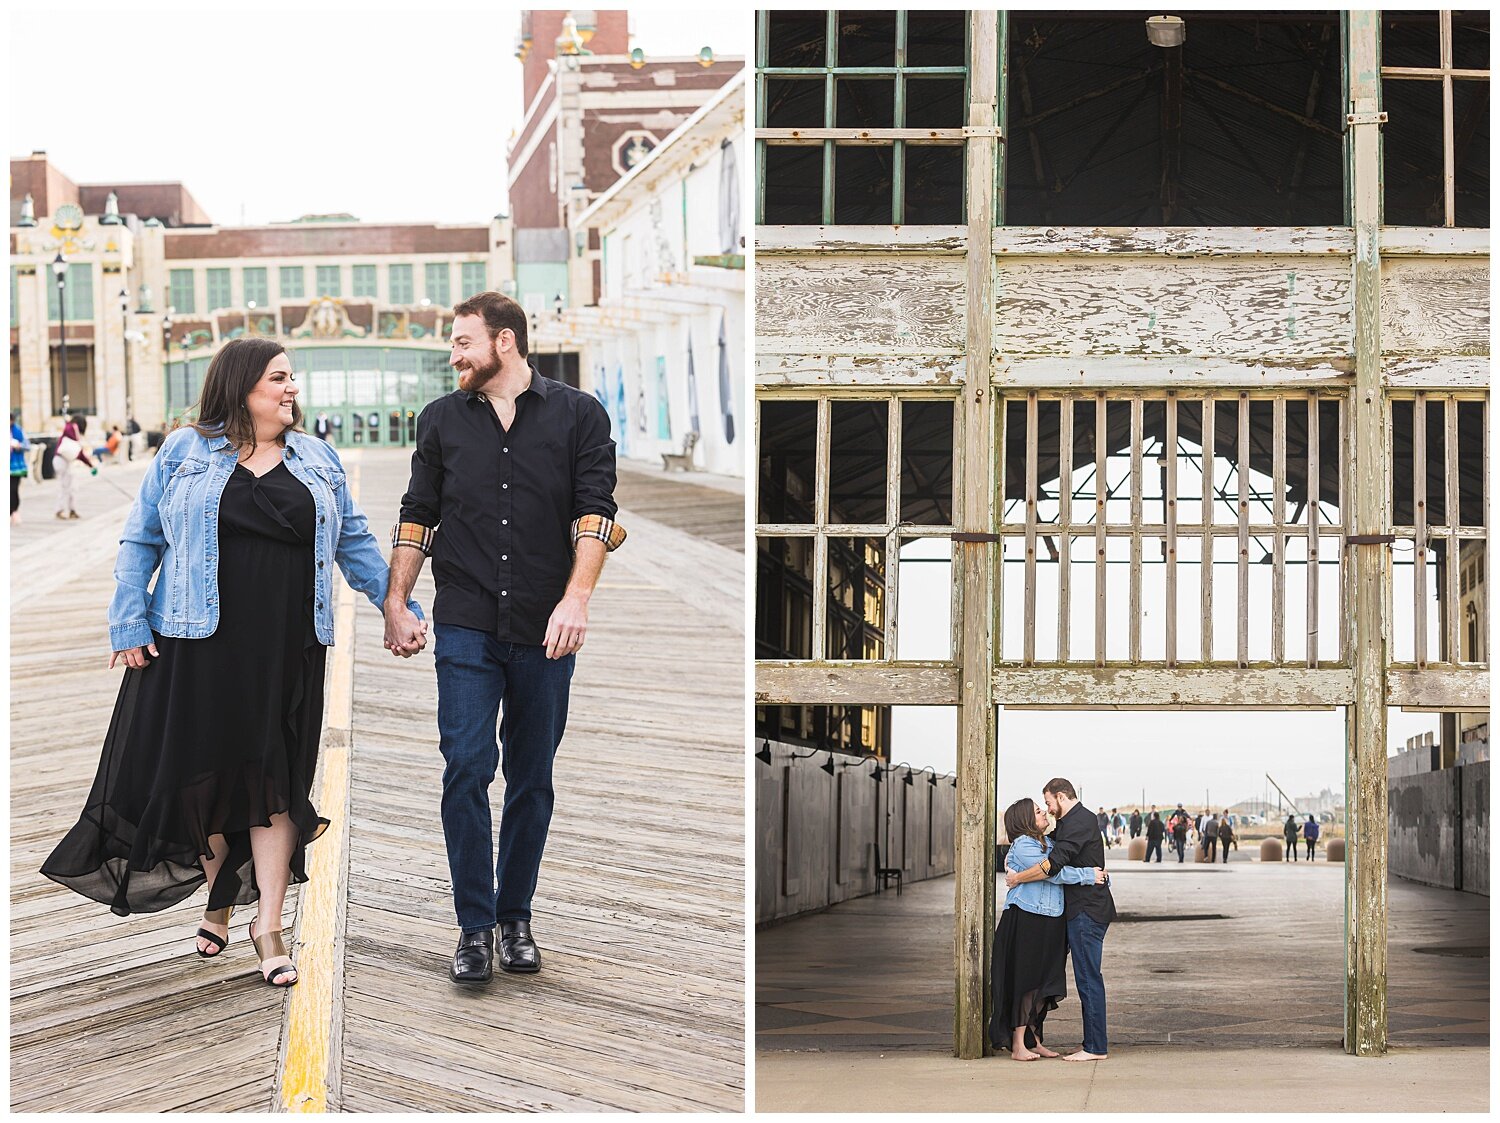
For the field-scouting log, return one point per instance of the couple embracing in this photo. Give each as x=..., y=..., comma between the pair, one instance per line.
x=1057, y=901
x=207, y=770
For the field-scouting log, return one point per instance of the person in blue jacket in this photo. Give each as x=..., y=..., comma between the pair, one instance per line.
x=207, y=769
x=1310, y=832
x=1031, y=940
x=19, y=447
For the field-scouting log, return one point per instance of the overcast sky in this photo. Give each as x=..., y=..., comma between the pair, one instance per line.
x=389, y=111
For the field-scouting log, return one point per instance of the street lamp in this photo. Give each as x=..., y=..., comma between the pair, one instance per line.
x=250, y=307
x=166, y=357
x=60, y=271
x=125, y=349
x=557, y=310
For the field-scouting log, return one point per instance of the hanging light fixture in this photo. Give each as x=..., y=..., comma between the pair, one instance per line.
x=1166, y=31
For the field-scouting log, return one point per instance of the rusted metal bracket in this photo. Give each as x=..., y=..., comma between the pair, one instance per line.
x=988, y=132
x=1368, y=539
x=1365, y=119
x=973, y=536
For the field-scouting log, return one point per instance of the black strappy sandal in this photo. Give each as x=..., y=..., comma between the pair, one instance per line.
x=270, y=946
x=215, y=916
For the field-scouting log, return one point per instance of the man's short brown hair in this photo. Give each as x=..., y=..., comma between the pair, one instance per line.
x=498, y=312
x=1059, y=786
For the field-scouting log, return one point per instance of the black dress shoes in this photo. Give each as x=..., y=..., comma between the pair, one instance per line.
x=473, y=962
x=518, y=953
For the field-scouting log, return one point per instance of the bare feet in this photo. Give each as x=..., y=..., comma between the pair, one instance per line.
x=1043, y=1051
x=1085, y=1055
x=1024, y=1055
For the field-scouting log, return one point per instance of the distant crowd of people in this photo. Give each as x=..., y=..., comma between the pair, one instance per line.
x=1213, y=833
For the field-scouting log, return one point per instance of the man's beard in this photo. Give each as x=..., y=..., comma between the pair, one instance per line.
x=475, y=378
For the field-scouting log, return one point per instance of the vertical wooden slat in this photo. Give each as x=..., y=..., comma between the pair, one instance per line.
x=892, y=519
x=1419, y=524
x=1065, y=524
x=1365, y=867
x=1242, y=473
x=1451, y=509
x=1314, y=492
x=898, y=148
x=1278, y=520
x=830, y=113
x=820, y=543
x=1445, y=60
x=974, y=880
x=1028, y=628
x=1101, y=488
x=1136, y=517
x=1206, y=566
x=1171, y=520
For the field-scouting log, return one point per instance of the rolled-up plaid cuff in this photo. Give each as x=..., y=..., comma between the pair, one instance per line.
x=606, y=530
x=413, y=534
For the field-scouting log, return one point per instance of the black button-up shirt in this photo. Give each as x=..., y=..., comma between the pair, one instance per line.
x=499, y=510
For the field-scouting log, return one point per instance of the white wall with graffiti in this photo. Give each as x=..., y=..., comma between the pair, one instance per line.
x=665, y=345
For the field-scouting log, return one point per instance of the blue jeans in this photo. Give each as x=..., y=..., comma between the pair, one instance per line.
x=1086, y=945
x=480, y=677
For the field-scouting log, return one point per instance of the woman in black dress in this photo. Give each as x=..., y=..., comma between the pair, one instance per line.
x=207, y=768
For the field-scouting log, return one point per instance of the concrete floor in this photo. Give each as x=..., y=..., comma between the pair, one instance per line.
x=1244, y=957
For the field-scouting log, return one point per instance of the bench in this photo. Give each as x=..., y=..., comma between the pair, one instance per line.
x=683, y=459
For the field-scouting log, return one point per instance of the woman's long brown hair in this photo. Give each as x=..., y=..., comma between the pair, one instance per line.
x=232, y=374
x=1020, y=819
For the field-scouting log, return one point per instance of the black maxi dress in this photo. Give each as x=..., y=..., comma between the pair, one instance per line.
x=1027, y=974
x=215, y=735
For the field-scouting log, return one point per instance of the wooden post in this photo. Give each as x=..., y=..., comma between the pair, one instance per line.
x=974, y=904
x=1365, y=860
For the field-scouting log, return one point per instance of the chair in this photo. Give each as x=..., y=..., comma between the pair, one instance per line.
x=683, y=459
x=884, y=874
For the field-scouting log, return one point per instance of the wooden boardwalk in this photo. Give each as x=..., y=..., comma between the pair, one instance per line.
x=639, y=911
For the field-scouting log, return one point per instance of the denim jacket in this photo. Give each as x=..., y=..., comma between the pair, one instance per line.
x=173, y=532
x=1044, y=897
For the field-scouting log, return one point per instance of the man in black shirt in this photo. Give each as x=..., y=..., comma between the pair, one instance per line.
x=1089, y=909
x=511, y=494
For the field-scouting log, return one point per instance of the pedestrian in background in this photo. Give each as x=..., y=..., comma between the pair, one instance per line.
x=1226, y=836
x=1135, y=823
x=1103, y=821
x=19, y=447
x=1210, y=835
x=70, y=448
x=1179, y=835
x=1289, y=832
x=1156, y=830
x=1310, y=832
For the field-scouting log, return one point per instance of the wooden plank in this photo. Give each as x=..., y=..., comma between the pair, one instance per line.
x=886, y=241
x=1435, y=306
x=1419, y=531
x=1437, y=372
x=1278, y=544
x=1122, y=687
x=1179, y=372
x=1365, y=867
x=857, y=372
x=859, y=306
x=857, y=137
x=1159, y=241
x=1206, y=565
x=892, y=575
x=974, y=883
x=1242, y=557
x=1137, y=515
x=820, y=543
x=1313, y=519
x=1451, y=602
x=1171, y=537
x=1065, y=528
x=843, y=683
x=1028, y=642
x=1445, y=61
x=1438, y=689
x=1101, y=511
x=1437, y=241
x=1275, y=308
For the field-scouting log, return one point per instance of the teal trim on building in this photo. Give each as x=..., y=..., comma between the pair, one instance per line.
x=292, y=285
x=180, y=291
x=364, y=281
x=400, y=280
x=436, y=283
x=254, y=281
x=218, y=288
x=328, y=281
x=472, y=279
x=539, y=283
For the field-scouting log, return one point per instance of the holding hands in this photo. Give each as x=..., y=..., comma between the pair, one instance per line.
x=405, y=632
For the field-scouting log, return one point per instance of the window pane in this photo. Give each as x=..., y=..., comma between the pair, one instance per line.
x=401, y=284
x=1471, y=154
x=794, y=103
x=866, y=103
x=935, y=103
x=934, y=184
x=797, y=39
x=79, y=295
x=328, y=280
x=472, y=279
x=927, y=462
x=436, y=283
x=859, y=436
x=862, y=184
x=1409, y=39
x=218, y=289
x=936, y=38
x=867, y=39
x=788, y=436
x=783, y=598
x=924, y=623
x=794, y=185
x=1471, y=40
x=856, y=598
x=181, y=288
x=1413, y=147
x=292, y=282
x=254, y=281
x=364, y=280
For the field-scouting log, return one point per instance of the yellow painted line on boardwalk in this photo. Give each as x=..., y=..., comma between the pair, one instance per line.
x=307, y=1053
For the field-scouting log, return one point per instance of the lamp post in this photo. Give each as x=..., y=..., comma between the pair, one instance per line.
x=557, y=311
x=125, y=350
x=60, y=271
x=166, y=359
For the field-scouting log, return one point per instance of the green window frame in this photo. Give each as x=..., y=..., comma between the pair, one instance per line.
x=218, y=288
x=253, y=280
x=400, y=281
x=291, y=283
x=328, y=281
x=806, y=112
x=436, y=283
x=472, y=279
x=364, y=281
x=180, y=289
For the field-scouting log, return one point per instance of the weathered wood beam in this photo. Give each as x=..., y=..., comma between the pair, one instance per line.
x=1365, y=867
x=1154, y=241
x=1437, y=372
x=858, y=372
x=1442, y=689
x=1183, y=372
x=1259, y=686
x=883, y=240
x=1171, y=134
x=974, y=888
